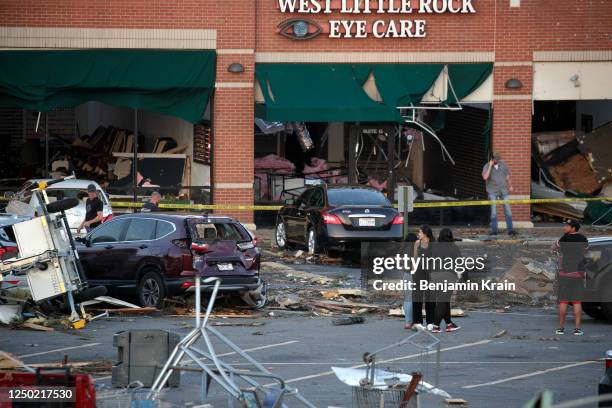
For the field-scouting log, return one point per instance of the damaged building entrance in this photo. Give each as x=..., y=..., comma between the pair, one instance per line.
x=383, y=125
x=135, y=121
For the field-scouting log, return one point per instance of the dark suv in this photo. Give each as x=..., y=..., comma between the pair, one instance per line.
x=149, y=255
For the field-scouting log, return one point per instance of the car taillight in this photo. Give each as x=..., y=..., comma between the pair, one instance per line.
x=199, y=248
x=7, y=249
x=608, y=359
x=186, y=285
x=331, y=219
x=399, y=219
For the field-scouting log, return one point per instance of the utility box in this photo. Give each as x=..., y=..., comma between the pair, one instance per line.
x=141, y=356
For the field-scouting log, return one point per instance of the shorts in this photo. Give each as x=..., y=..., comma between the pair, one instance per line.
x=571, y=290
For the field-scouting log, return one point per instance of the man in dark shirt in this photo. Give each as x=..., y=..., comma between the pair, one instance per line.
x=572, y=247
x=94, y=210
x=153, y=204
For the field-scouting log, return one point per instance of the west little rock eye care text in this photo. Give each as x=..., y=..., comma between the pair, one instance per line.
x=394, y=28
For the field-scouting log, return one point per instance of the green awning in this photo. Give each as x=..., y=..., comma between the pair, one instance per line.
x=177, y=83
x=466, y=78
x=318, y=93
x=405, y=84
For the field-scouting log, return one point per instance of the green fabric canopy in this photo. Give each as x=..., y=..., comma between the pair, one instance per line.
x=177, y=83
x=466, y=78
x=318, y=93
x=405, y=84
x=334, y=92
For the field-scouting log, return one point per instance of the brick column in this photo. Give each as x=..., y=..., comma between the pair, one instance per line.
x=233, y=144
x=512, y=134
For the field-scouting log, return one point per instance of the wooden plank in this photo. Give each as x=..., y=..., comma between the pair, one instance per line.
x=38, y=327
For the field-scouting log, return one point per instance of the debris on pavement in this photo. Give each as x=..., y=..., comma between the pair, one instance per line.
x=9, y=362
x=10, y=313
x=37, y=327
x=500, y=333
x=240, y=324
x=399, y=312
x=530, y=280
x=455, y=401
x=128, y=311
x=348, y=320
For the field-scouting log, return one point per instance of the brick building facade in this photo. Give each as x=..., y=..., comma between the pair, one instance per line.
x=514, y=35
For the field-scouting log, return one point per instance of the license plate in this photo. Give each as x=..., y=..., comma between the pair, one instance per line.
x=225, y=266
x=367, y=222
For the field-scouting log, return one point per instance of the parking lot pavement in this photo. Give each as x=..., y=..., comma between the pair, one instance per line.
x=474, y=365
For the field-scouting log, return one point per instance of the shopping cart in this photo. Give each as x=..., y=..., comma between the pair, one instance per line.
x=132, y=396
x=374, y=387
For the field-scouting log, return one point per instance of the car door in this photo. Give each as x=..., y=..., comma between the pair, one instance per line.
x=137, y=245
x=101, y=257
x=311, y=211
x=296, y=216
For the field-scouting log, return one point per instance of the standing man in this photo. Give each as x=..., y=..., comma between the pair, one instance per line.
x=572, y=247
x=497, y=178
x=153, y=204
x=93, y=208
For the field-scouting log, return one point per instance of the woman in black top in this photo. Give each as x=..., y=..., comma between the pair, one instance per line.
x=444, y=248
x=422, y=248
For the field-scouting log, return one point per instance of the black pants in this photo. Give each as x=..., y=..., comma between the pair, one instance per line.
x=418, y=298
x=441, y=298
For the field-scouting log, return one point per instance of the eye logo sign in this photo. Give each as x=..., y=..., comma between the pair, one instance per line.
x=299, y=29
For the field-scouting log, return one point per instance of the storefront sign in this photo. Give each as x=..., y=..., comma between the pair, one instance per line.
x=303, y=29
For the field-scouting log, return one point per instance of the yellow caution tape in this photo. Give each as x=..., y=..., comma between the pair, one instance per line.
x=436, y=204
x=439, y=204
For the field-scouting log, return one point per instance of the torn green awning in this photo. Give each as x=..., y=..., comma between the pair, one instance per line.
x=177, y=83
x=466, y=78
x=318, y=93
x=405, y=84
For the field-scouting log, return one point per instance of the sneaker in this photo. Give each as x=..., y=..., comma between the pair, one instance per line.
x=560, y=330
x=435, y=329
x=417, y=327
x=512, y=233
x=493, y=233
x=578, y=332
x=408, y=326
x=451, y=327
x=430, y=327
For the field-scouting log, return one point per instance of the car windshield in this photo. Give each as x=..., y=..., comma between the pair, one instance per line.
x=356, y=196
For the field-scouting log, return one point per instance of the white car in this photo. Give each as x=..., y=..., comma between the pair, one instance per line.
x=24, y=203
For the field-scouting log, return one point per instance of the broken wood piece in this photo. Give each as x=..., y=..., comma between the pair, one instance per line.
x=9, y=362
x=455, y=401
x=38, y=327
x=127, y=311
x=351, y=292
x=500, y=334
x=241, y=324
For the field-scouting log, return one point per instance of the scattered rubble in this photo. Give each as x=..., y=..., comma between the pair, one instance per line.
x=348, y=320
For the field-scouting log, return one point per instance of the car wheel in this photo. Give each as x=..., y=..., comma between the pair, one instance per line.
x=312, y=242
x=280, y=235
x=258, y=298
x=594, y=310
x=151, y=290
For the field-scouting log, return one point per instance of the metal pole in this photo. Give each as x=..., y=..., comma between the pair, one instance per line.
x=47, y=145
x=135, y=159
x=198, y=299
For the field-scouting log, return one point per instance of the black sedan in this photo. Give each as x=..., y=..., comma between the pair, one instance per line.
x=338, y=216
